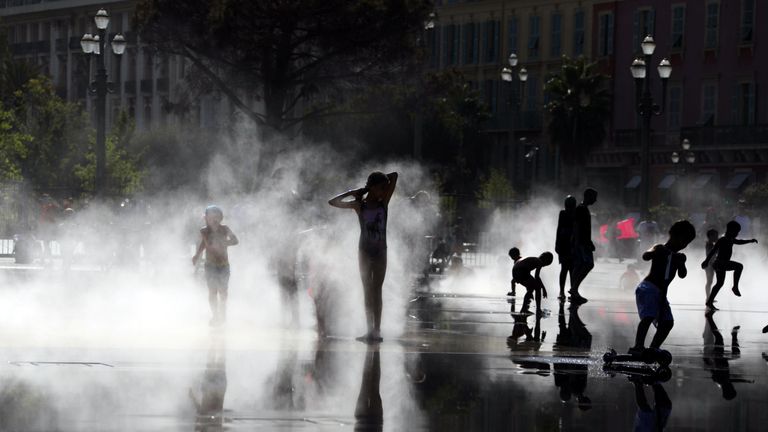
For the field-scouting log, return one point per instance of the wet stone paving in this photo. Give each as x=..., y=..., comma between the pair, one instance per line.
x=462, y=363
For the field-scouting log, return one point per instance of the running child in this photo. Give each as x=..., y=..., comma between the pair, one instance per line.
x=514, y=254
x=215, y=238
x=521, y=273
x=724, y=250
x=651, y=294
x=371, y=204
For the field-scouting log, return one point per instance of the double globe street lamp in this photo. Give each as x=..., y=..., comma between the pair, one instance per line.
x=94, y=46
x=647, y=108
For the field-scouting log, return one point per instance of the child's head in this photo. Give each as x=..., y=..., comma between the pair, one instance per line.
x=732, y=228
x=514, y=253
x=546, y=258
x=213, y=215
x=377, y=185
x=712, y=234
x=590, y=196
x=681, y=234
x=570, y=202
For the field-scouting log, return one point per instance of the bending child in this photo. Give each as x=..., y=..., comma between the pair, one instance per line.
x=521, y=273
x=724, y=250
x=651, y=293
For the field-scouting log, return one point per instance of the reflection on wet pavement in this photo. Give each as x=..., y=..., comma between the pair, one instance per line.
x=464, y=363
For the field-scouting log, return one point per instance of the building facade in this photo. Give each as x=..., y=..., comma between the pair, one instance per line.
x=477, y=37
x=715, y=99
x=147, y=85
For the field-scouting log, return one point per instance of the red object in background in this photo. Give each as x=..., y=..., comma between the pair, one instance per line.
x=626, y=231
x=603, y=231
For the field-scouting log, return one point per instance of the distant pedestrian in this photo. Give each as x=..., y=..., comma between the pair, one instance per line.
x=564, y=242
x=724, y=250
x=582, y=247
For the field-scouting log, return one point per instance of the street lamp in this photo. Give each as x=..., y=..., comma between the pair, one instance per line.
x=647, y=108
x=94, y=45
x=516, y=91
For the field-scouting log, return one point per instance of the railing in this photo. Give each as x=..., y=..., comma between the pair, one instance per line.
x=726, y=135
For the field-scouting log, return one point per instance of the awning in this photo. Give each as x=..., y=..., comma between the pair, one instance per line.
x=633, y=183
x=667, y=181
x=701, y=181
x=737, y=180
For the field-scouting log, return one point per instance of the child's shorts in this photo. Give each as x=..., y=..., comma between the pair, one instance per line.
x=217, y=277
x=651, y=303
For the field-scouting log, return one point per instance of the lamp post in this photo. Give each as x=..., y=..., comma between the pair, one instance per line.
x=688, y=157
x=93, y=46
x=646, y=108
x=516, y=83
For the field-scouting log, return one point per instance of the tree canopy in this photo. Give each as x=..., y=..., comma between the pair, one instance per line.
x=579, y=108
x=296, y=58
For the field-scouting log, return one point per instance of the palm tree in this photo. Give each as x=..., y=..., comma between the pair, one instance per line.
x=579, y=108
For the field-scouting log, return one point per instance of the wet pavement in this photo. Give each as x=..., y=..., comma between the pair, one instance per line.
x=463, y=363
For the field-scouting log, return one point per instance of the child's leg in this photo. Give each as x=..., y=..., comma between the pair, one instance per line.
x=737, y=269
x=708, y=286
x=719, y=280
x=642, y=332
x=564, y=268
x=365, y=275
x=529, y=285
x=223, y=289
x=378, y=273
x=662, y=331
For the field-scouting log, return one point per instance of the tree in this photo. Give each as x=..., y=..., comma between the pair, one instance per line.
x=496, y=191
x=287, y=54
x=125, y=175
x=13, y=146
x=579, y=108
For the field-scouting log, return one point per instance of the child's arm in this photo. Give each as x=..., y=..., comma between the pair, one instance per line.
x=231, y=238
x=682, y=271
x=743, y=242
x=710, y=254
x=649, y=254
x=338, y=200
x=200, y=248
x=391, y=189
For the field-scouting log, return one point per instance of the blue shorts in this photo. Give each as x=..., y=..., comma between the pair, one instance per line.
x=651, y=303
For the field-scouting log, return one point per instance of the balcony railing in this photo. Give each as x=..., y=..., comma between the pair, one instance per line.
x=728, y=136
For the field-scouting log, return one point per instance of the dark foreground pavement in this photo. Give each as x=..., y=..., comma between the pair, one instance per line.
x=462, y=364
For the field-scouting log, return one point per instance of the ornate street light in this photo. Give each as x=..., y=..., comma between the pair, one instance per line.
x=647, y=108
x=94, y=46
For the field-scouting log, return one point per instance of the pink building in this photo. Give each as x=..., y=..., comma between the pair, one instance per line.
x=717, y=98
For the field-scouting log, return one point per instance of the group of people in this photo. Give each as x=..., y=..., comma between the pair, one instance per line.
x=574, y=248
x=575, y=251
x=370, y=203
